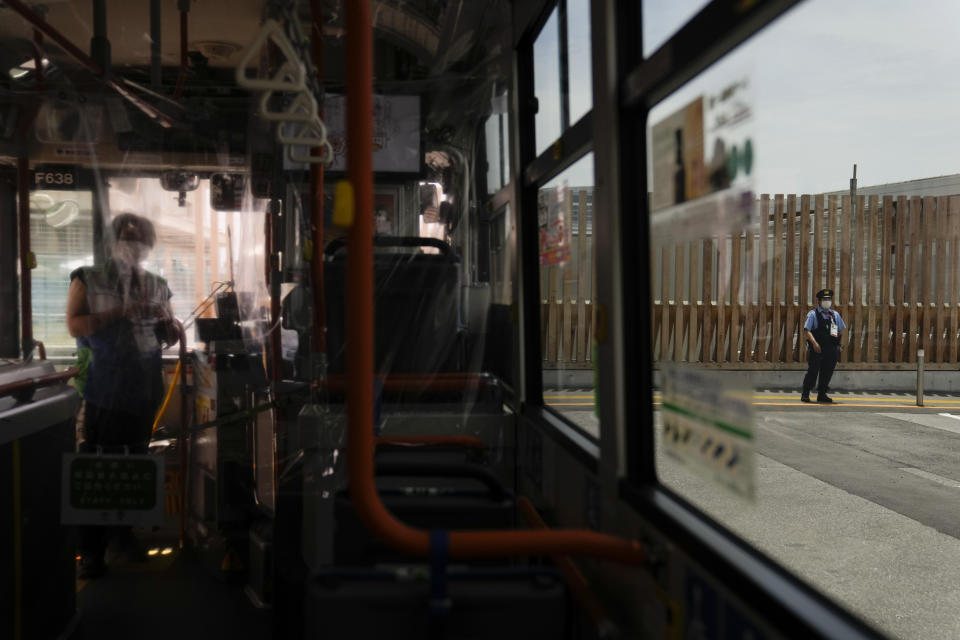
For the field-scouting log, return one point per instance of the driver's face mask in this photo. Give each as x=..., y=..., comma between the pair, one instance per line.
x=130, y=252
x=827, y=304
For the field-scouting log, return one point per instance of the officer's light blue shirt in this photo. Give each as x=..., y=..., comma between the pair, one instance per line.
x=811, y=323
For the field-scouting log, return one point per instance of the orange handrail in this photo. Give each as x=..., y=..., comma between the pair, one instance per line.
x=578, y=584
x=466, y=442
x=40, y=381
x=360, y=401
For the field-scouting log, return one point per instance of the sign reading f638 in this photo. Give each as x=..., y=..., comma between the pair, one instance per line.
x=51, y=178
x=63, y=177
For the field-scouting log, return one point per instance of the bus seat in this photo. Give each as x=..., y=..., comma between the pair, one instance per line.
x=416, y=301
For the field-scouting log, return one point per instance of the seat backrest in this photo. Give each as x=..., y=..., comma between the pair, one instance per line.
x=416, y=302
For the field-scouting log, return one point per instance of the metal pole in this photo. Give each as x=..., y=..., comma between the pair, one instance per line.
x=316, y=208
x=27, y=261
x=99, y=43
x=920, y=377
x=156, y=22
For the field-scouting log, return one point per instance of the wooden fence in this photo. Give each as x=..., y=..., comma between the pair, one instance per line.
x=567, y=317
x=739, y=301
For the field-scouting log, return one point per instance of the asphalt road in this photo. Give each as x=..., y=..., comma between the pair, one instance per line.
x=860, y=498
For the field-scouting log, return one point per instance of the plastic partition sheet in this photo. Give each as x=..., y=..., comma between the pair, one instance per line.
x=189, y=266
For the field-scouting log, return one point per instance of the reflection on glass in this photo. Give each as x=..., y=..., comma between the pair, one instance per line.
x=579, y=60
x=59, y=249
x=567, y=282
x=663, y=18
x=546, y=83
x=852, y=492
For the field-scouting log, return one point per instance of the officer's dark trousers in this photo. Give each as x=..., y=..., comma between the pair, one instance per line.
x=114, y=432
x=820, y=365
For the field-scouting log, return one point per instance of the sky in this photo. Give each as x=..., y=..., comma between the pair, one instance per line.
x=871, y=82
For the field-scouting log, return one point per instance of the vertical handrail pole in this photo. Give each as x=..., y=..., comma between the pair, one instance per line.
x=182, y=436
x=26, y=287
x=156, y=27
x=316, y=201
x=359, y=323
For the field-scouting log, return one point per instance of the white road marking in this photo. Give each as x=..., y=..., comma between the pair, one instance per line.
x=928, y=420
x=947, y=482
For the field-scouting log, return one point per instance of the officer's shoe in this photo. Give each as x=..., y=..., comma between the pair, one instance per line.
x=824, y=398
x=805, y=397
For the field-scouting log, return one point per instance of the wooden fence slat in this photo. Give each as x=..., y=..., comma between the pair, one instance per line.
x=915, y=240
x=552, y=321
x=844, y=250
x=805, y=294
x=954, y=215
x=723, y=279
x=566, y=343
x=900, y=272
x=845, y=294
x=777, y=301
x=926, y=292
x=791, y=266
x=831, y=276
x=592, y=311
x=873, y=241
x=664, y=299
x=693, y=323
x=582, y=261
x=817, y=246
x=679, y=279
x=749, y=281
x=941, y=276
x=885, y=256
x=763, y=331
x=706, y=338
x=854, y=334
x=735, y=277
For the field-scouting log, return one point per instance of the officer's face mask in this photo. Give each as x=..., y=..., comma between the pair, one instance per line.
x=826, y=304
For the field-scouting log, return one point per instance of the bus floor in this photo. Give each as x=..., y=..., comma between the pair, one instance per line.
x=170, y=595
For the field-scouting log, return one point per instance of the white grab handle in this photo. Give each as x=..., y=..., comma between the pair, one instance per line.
x=291, y=76
x=312, y=134
x=303, y=108
x=326, y=158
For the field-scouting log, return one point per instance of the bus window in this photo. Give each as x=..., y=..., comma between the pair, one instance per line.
x=567, y=281
x=546, y=77
x=562, y=71
x=661, y=19
x=794, y=425
x=61, y=236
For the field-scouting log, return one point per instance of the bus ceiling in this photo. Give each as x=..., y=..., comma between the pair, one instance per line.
x=446, y=52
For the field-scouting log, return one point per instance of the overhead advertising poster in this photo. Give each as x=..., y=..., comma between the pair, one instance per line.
x=396, y=133
x=552, y=217
x=678, y=166
x=708, y=425
x=703, y=160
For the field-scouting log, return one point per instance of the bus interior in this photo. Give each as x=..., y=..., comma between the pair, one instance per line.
x=409, y=388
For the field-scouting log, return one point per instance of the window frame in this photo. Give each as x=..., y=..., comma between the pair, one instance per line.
x=574, y=143
x=792, y=605
x=624, y=459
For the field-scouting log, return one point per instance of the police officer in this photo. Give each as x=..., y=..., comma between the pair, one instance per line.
x=823, y=329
